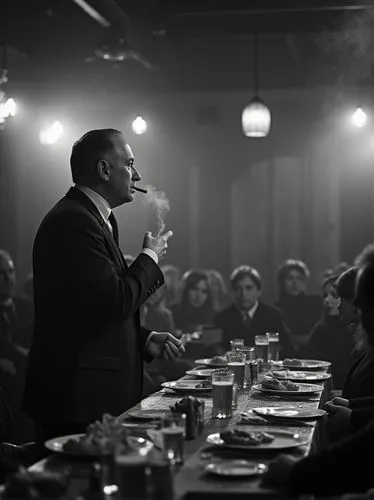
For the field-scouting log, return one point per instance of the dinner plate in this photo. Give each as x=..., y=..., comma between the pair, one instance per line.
x=307, y=364
x=291, y=412
x=186, y=386
x=282, y=441
x=298, y=376
x=57, y=445
x=203, y=373
x=304, y=390
x=236, y=468
x=208, y=362
x=147, y=414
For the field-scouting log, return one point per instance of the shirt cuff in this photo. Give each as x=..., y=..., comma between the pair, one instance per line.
x=149, y=338
x=151, y=254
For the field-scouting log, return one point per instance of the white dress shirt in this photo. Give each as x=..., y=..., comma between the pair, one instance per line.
x=251, y=311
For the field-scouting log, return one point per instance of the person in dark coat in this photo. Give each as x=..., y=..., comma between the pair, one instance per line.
x=332, y=337
x=301, y=310
x=88, y=348
x=347, y=465
x=248, y=316
x=196, y=306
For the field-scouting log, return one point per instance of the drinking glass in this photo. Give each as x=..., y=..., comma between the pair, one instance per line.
x=249, y=353
x=236, y=364
x=273, y=338
x=131, y=474
x=236, y=344
x=222, y=385
x=173, y=429
x=262, y=348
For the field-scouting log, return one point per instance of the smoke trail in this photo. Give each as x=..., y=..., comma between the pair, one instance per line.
x=159, y=205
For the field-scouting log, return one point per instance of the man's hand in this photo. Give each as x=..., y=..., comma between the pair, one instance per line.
x=165, y=346
x=158, y=244
x=338, y=420
x=339, y=402
x=279, y=472
x=7, y=366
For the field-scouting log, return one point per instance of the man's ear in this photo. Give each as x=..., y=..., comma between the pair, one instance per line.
x=103, y=169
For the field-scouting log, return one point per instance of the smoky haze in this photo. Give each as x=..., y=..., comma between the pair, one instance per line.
x=158, y=206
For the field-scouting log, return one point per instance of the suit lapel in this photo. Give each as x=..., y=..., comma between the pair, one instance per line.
x=78, y=195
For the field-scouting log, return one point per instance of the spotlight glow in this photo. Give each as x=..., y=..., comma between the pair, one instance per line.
x=359, y=118
x=139, y=125
x=51, y=134
x=7, y=108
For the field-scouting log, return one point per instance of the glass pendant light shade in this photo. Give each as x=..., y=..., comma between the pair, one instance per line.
x=256, y=119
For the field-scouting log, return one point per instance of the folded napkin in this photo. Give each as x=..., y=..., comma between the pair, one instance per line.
x=156, y=438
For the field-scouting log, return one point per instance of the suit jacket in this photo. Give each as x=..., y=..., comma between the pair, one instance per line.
x=87, y=353
x=266, y=319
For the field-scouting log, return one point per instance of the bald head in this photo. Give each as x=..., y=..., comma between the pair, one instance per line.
x=93, y=146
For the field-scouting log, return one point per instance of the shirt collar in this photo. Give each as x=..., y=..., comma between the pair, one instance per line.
x=251, y=311
x=100, y=203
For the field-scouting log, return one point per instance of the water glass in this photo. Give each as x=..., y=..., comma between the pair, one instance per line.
x=273, y=338
x=173, y=429
x=262, y=348
x=236, y=344
x=236, y=364
x=249, y=353
x=222, y=385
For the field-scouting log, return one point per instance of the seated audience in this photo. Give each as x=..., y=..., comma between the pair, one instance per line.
x=16, y=323
x=347, y=465
x=196, y=307
x=172, y=275
x=301, y=311
x=248, y=316
x=332, y=330
x=221, y=297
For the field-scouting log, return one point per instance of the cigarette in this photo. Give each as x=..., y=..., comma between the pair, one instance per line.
x=140, y=190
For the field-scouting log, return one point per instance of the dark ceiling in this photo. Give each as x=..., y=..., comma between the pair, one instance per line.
x=187, y=45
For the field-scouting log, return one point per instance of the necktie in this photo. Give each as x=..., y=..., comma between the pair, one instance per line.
x=247, y=319
x=114, y=225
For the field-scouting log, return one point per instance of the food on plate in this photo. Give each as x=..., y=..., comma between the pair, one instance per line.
x=241, y=437
x=100, y=438
x=204, y=384
x=276, y=385
x=218, y=360
x=285, y=374
x=290, y=386
x=292, y=362
x=273, y=384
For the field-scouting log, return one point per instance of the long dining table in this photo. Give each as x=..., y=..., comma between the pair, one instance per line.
x=191, y=482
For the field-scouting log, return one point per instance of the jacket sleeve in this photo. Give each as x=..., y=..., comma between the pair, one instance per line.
x=344, y=467
x=77, y=251
x=360, y=403
x=361, y=417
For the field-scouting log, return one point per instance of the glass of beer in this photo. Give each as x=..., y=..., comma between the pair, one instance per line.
x=262, y=348
x=173, y=429
x=236, y=364
x=222, y=385
x=236, y=344
x=273, y=338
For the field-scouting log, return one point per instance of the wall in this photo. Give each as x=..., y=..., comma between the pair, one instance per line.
x=233, y=200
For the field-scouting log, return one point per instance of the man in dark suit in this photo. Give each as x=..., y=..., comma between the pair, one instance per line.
x=248, y=316
x=88, y=349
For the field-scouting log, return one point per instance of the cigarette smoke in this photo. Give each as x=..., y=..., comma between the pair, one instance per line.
x=159, y=206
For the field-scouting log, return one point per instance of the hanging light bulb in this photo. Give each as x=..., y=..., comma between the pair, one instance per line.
x=139, y=125
x=256, y=117
x=359, y=118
